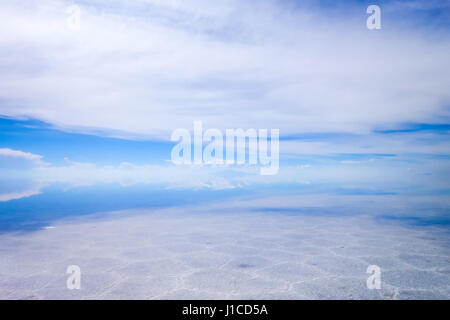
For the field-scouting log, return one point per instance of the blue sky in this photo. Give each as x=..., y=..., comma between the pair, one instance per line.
x=359, y=111
x=41, y=138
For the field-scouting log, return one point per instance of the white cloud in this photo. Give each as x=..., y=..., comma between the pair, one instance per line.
x=17, y=179
x=6, y=152
x=148, y=67
x=394, y=143
x=77, y=174
x=6, y=196
x=383, y=174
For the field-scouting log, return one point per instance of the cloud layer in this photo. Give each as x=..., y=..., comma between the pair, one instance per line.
x=148, y=67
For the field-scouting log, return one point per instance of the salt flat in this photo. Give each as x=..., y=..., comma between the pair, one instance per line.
x=205, y=252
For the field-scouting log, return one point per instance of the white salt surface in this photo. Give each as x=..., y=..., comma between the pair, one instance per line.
x=193, y=253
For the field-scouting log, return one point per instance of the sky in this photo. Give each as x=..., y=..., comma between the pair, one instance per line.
x=359, y=111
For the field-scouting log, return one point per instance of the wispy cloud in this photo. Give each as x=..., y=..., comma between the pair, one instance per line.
x=17, y=175
x=6, y=196
x=7, y=152
x=387, y=174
